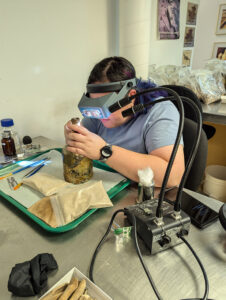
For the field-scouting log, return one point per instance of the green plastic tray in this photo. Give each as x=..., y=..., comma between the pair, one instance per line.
x=111, y=193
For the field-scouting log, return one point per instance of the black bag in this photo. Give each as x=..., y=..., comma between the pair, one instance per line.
x=30, y=277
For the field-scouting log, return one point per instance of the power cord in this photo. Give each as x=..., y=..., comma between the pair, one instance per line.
x=101, y=243
x=141, y=258
x=205, y=297
x=136, y=246
x=134, y=233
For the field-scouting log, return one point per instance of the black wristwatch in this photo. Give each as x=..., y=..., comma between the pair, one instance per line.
x=105, y=152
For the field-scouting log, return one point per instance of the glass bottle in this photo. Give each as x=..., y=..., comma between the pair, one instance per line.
x=8, y=126
x=8, y=145
x=77, y=168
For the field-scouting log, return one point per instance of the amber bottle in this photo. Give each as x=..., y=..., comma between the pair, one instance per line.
x=8, y=145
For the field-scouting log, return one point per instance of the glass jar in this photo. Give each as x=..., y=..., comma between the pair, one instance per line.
x=77, y=168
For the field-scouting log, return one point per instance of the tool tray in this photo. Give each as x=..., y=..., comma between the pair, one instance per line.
x=111, y=193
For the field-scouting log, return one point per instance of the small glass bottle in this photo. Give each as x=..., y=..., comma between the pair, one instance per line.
x=146, y=185
x=8, y=145
x=8, y=126
x=77, y=168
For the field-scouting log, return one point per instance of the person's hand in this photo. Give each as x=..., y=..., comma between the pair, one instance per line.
x=81, y=141
x=67, y=130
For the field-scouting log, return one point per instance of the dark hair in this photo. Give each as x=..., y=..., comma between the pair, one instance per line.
x=112, y=69
x=118, y=68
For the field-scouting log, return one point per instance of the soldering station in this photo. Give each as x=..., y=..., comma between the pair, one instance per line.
x=161, y=224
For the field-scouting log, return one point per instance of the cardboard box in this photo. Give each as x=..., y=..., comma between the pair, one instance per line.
x=93, y=290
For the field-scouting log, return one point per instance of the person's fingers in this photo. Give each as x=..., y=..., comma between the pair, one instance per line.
x=83, y=130
x=78, y=145
x=76, y=150
x=78, y=129
x=67, y=131
x=71, y=143
x=66, y=126
x=72, y=149
x=81, y=152
x=74, y=136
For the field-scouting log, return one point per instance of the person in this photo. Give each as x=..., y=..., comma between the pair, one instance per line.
x=140, y=141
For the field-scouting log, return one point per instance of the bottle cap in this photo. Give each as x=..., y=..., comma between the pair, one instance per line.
x=75, y=121
x=7, y=122
x=27, y=140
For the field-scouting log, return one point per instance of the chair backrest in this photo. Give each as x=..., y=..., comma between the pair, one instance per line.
x=196, y=173
x=183, y=91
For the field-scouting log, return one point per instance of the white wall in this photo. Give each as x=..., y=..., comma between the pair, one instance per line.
x=206, y=32
x=163, y=52
x=138, y=38
x=167, y=52
x=48, y=48
x=134, y=37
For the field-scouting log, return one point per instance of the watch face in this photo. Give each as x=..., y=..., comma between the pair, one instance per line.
x=106, y=151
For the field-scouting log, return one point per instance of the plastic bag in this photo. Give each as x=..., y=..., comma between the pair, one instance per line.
x=72, y=202
x=162, y=75
x=216, y=65
x=159, y=78
x=66, y=202
x=45, y=183
x=206, y=85
x=219, y=68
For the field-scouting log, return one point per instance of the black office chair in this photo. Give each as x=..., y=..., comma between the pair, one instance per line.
x=189, y=113
x=185, y=92
x=196, y=173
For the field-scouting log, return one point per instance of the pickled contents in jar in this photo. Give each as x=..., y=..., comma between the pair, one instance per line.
x=77, y=168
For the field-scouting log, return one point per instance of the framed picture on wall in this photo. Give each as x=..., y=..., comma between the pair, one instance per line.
x=189, y=36
x=219, y=51
x=221, y=22
x=186, y=58
x=169, y=19
x=192, y=11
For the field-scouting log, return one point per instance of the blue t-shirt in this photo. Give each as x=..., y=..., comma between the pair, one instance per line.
x=144, y=133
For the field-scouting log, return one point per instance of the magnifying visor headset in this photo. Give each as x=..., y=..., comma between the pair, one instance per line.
x=98, y=107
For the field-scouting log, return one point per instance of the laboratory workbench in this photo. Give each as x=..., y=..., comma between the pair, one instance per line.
x=117, y=268
x=214, y=112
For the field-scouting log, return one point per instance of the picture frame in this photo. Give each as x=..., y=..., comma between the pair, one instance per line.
x=168, y=19
x=186, y=58
x=189, y=36
x=221, y=22
x=219, y=51
x=192, y=10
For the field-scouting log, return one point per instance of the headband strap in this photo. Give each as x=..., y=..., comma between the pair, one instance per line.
x=110, y=86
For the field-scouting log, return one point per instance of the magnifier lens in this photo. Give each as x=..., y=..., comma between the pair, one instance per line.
x=93, y=113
